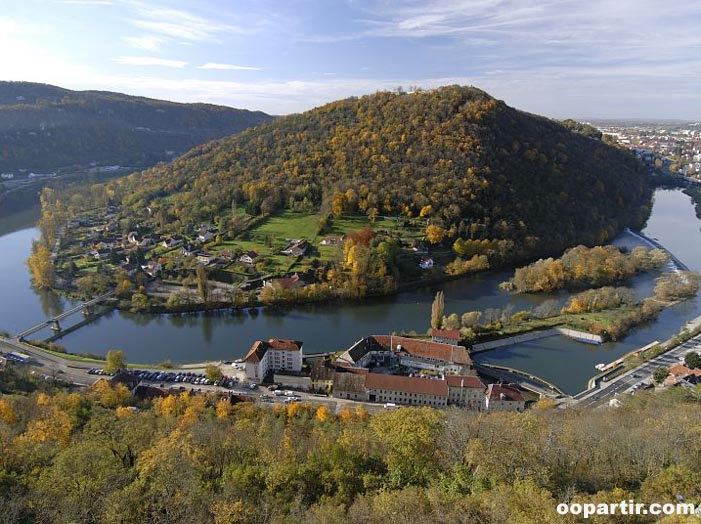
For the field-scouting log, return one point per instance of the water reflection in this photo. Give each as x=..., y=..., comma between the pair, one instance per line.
x=51, y=302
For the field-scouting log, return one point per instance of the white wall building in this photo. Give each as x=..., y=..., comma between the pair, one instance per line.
x=273, y=355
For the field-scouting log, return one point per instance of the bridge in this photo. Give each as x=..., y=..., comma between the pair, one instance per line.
x=675, y=263
x=55, y=321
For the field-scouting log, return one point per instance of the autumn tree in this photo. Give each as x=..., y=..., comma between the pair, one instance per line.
x=213, y=373
x=41, y=267
x=203, y=287
x=435, y=234
x=437, y=310
x=116, y=360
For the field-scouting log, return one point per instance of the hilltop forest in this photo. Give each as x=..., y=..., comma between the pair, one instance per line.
x=104, y=457
x=475, y=167
x=43, y=127
x=452, y=175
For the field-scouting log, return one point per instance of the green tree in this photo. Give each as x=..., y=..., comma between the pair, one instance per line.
x=660, y=374
x=139, y=302
x=692, y=360
x=116, y=360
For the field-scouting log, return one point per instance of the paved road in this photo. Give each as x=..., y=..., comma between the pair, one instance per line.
x=623, y=383
x=77, y=373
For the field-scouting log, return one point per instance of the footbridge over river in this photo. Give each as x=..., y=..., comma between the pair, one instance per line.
x=54, y=322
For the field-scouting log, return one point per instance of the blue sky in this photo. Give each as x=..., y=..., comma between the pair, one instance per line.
x=560, y=58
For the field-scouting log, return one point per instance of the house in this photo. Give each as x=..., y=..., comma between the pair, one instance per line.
x=172, y=242
x=146, y=242
x=205, y=258
x=100, y=254
x=205, y=233
x=504, y=397
x=296, y=248
x=426, y=263
x=273, y=355
x=679, y=374
x=446, y=336
x=322, y=375
x=290, y=283
x=152, y=268
x=249, y=257
x=189, y=250
x=133, y=237
x=205, y=236
x=466, y=391
x=331, y=241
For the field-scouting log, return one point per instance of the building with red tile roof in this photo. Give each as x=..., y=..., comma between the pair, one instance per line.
x=504, y=397
x=446, y=336
x=275, y=354
x=409, y=352
x=466, y=391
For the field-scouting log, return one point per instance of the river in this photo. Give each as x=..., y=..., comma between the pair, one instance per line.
x=154, y=338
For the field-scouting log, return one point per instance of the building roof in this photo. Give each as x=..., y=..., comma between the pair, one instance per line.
x=293, y=282
x=260, y=347
x=349, y=382
x=509, y=392
x=460, y=381
x=450, y=334
x=680, y=370
x=322, y=370
x=424, y=349
x=418, y=385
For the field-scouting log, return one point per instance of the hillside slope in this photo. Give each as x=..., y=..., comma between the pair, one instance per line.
x=486, y=170
x=44, y=127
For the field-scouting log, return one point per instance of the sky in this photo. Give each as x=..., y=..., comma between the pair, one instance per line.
x=560, y=58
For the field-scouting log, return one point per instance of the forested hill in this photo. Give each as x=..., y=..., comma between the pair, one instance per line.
x=486, y=170
x=46, y=127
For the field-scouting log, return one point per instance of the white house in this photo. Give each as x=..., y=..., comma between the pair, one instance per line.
x=249, y=257
x=274, y=355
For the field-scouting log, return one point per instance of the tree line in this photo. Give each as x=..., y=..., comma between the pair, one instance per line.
x=102, y=457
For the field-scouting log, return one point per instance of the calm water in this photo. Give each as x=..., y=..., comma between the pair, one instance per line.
x=152, y=338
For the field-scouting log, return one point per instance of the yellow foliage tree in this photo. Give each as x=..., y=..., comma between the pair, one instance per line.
x=124, y=412
x=322, y=414
x=7, y=412
x=41, y=267
x=224, y=408
x=435, y=234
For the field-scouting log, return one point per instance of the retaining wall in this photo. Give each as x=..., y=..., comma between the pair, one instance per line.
x=536, y=335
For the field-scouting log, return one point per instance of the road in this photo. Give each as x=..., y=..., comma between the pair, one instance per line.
x=621, y=384
x=76, y=372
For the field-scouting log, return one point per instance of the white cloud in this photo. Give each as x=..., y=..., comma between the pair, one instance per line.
x=86, y=2
x=146, y=43
x=178, y=24
x=150, y=61
x=227, y=67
